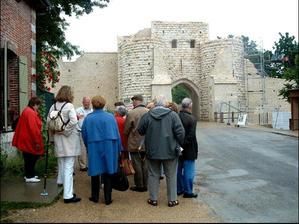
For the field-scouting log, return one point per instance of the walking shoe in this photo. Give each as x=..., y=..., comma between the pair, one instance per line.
x=33, y=177
x=192, y=195
x=93, y=199
x=74, y=199
x=180, y=193
x=32, y=180
x=138, y=189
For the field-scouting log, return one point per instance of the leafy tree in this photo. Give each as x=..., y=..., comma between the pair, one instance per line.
x=51, y=43
x=179, y=92
x=291, y=74
x=252, y=52
x=250, y=46
x=284, y=63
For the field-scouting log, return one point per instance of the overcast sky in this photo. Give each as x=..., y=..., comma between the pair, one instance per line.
x=260, y=20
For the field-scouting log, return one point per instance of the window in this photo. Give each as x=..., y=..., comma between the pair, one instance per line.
x=10, y=100
x=174, y=43
x=192, y=43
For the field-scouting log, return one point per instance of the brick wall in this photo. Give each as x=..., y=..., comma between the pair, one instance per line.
x=18, y=34
x=13, y=81
x=17, y=20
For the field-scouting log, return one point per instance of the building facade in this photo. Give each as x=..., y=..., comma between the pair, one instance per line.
x=156, y=59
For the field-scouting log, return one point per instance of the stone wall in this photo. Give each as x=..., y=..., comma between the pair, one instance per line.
x=135, y=67
x=91, y=74
x=215, y=72
x=183, y=61
x=262, y=96
x=222, y=70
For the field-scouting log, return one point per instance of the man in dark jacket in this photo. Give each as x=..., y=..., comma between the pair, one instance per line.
x=186, y=166
x=163, y=132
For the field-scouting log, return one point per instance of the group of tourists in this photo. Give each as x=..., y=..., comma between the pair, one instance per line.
x=159, y=138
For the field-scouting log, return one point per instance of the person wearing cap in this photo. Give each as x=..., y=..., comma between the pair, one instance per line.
x=135, y=143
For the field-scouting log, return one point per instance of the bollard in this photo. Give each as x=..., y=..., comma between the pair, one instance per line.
x=221, y=117
x=215, y=116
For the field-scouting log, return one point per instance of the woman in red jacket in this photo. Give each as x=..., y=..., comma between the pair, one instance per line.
x=28, y=138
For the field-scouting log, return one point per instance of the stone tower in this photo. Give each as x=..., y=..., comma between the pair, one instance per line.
x=154, y=60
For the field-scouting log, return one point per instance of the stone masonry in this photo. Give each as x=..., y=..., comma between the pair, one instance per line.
x=156, y=59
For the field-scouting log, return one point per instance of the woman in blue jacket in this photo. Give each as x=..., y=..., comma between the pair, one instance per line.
x=102, y=140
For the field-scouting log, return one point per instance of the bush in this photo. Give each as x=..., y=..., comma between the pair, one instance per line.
x=14, y=166
x=3, y=160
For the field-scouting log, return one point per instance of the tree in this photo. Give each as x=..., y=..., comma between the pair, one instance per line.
x=179, y=92
x=291, y=74
x=285, y=62
x=252, y=52
x=51, y=43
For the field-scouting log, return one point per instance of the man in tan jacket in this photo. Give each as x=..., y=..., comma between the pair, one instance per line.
x=135, y=143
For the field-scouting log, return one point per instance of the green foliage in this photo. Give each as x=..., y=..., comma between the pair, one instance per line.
x=292, y=76
x=250, y=46
x=14, y=166
x=179, y=92
x=6, y=206
x=252, y=52
x=51, y=25
x=43, y=114
x=51, y=43
x=48, y=74
x=3, y=161
x=285, y=63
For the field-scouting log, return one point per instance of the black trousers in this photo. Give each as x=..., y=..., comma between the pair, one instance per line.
x=29, y=164
x=95, y=187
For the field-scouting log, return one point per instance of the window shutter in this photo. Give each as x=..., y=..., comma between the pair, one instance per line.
x=23, y=82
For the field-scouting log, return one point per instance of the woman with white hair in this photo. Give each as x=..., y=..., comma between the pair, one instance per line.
x=186, y=166
x=163, y=132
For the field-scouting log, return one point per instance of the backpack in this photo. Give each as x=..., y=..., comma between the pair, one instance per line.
x=56, y=122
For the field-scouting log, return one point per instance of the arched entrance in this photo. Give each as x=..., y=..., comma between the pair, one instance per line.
x=194, y=94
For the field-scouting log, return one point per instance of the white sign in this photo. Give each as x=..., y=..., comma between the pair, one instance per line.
x=242, y=120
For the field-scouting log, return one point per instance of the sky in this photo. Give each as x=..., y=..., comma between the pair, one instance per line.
x=260, y=20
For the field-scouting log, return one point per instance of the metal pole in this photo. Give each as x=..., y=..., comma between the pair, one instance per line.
x=5, y=86
x=45, y=193
x=228, y=119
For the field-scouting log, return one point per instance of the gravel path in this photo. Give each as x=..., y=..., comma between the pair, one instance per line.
x=127, y=207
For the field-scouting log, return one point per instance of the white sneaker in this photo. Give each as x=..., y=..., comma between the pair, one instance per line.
x=32, y=180
x=36, y=177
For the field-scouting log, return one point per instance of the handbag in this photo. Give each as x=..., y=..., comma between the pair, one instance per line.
x=119, y=180
x=126, y=163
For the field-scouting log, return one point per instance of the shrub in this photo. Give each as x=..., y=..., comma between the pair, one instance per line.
x=3, y=160
x=14, y=166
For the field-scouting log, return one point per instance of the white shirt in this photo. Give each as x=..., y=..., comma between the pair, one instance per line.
x=82, y=111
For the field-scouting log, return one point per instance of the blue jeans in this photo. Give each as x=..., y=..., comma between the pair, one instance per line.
x=185, y=176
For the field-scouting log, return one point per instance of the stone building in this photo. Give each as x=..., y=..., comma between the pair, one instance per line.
x=156, y=59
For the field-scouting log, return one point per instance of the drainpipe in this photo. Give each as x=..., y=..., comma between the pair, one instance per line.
x=5, y=85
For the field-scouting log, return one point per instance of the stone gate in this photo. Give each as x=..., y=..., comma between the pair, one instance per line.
x=156, y=59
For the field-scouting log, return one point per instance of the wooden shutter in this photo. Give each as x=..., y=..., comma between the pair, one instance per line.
x=23, y=82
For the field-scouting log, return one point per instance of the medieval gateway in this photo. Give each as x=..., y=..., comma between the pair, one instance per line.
x=156, y=59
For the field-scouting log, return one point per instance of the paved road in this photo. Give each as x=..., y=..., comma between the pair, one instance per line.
x=248, y=175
